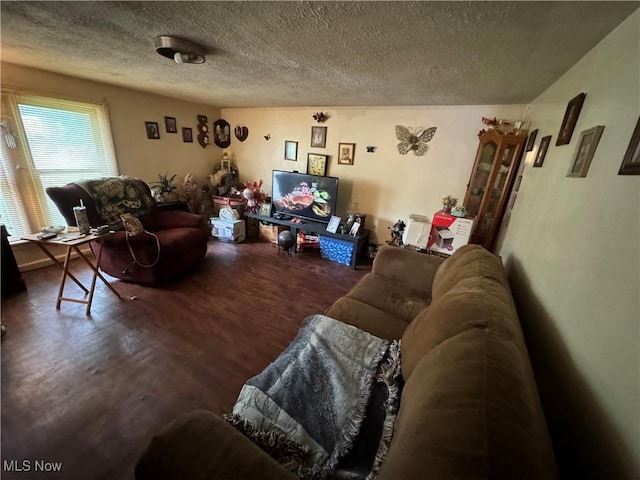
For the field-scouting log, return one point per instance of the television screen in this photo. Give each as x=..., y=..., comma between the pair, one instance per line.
x=306, y=196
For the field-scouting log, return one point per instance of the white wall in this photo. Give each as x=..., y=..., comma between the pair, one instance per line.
x=388, y=186
x=128, y=110
x=573, y=248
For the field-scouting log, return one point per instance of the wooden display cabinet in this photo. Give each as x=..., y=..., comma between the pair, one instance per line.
x=494, y=171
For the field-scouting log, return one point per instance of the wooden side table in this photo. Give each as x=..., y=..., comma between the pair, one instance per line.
x=73, y=242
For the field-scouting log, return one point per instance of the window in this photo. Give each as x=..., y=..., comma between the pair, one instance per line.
x=48, y=142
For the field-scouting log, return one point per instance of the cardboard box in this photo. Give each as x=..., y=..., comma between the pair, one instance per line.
x=269, y=233
x=417, y=231
x=230, y=231
x=236, y=203
x=448, y=233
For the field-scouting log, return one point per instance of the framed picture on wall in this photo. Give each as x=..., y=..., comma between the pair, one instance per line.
x=317, y=164
x=346, y=153
x=542, y=151
x=531, y=141
x=290, y=150
x=318, y=137
x=170, y=125
x=187, y=135
x=570, y=119
x=584, y=151
x=153, y=133
x=631, y=161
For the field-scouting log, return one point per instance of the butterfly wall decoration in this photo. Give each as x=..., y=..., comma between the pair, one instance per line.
x=414, y=139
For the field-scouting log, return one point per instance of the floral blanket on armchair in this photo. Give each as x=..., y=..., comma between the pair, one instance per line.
x=115, y=196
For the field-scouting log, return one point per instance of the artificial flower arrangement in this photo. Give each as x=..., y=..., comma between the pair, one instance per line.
x=254, y=196
x=448, y=203
x=190, y=192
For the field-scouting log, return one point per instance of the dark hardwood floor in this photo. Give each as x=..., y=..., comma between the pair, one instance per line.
x=90, y=391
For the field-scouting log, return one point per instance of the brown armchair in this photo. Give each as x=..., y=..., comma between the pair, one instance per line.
x=182, y=236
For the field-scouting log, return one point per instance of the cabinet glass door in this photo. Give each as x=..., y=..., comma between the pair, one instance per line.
x=495, y=193
x=479, y=184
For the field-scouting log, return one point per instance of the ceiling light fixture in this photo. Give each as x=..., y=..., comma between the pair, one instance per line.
x=180, y=50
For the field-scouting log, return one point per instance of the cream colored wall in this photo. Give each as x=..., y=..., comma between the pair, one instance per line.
x=388, y=186
x=573, y=246
x=128, y=110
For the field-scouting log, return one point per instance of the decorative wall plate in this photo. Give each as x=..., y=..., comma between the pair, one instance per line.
x=241, y=132
x=222, y=133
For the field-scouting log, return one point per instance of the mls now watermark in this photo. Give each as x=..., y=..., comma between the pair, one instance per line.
x=30, y=466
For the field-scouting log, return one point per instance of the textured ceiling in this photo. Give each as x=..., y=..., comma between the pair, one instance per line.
x=264, y=54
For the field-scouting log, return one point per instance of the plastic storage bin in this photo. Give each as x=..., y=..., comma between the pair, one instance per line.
x=337, y=250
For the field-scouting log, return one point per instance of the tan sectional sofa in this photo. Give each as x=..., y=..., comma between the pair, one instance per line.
x=469, y=407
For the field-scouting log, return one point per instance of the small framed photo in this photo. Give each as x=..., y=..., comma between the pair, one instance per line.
x=317, y=164
x=354, y=229
x=265, y=209
x=291, y=150
x=542, y=151
x=570, y=119
x=516, y=185
x=531, y=141
x=153, y=133
x=170, y=124
x=187, y=135
x=584, y=151
x=346, y=153
x=631, y=161
x=334, y=223
x=318, y=137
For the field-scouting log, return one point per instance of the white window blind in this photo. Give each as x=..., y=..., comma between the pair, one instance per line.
x=57, y=142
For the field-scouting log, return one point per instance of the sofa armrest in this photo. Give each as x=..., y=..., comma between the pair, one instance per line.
x=175, y=219
x=408, y=267
x=200, y=445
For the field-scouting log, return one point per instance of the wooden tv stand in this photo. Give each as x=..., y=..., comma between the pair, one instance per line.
x=359, y=241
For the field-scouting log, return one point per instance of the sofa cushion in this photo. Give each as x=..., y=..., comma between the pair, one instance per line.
x=367, y=318
x=473, y=302
x=395, y=298
x=470, y=410
x=467, y=261
x=406, y=267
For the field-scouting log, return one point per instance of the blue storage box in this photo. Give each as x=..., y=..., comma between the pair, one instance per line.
x=336, y=250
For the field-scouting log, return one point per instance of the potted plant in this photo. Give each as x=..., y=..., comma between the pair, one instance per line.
x=164, y=188
x=448, y=203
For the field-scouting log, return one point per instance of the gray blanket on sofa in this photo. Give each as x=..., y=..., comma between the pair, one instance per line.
x=307, y=407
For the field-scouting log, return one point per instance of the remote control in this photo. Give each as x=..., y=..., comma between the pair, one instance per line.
x=47, y=236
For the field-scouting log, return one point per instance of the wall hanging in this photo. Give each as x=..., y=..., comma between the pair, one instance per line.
x=267, y=136
x=291, y=150
x=203, y=130
x=318, y=137
x=187, y=135
x=585, y=150
x=631, y=161
x=346, y=153
x=320, y=117
x=153, y=133
x=570, y=119
x=241, y=132
x=170, y=125
x=414, y=139
x=222, y=133
x=531, y=141
x=542, y=151
x=371, y=149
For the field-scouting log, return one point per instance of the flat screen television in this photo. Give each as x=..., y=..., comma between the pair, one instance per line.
x=306, y=196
